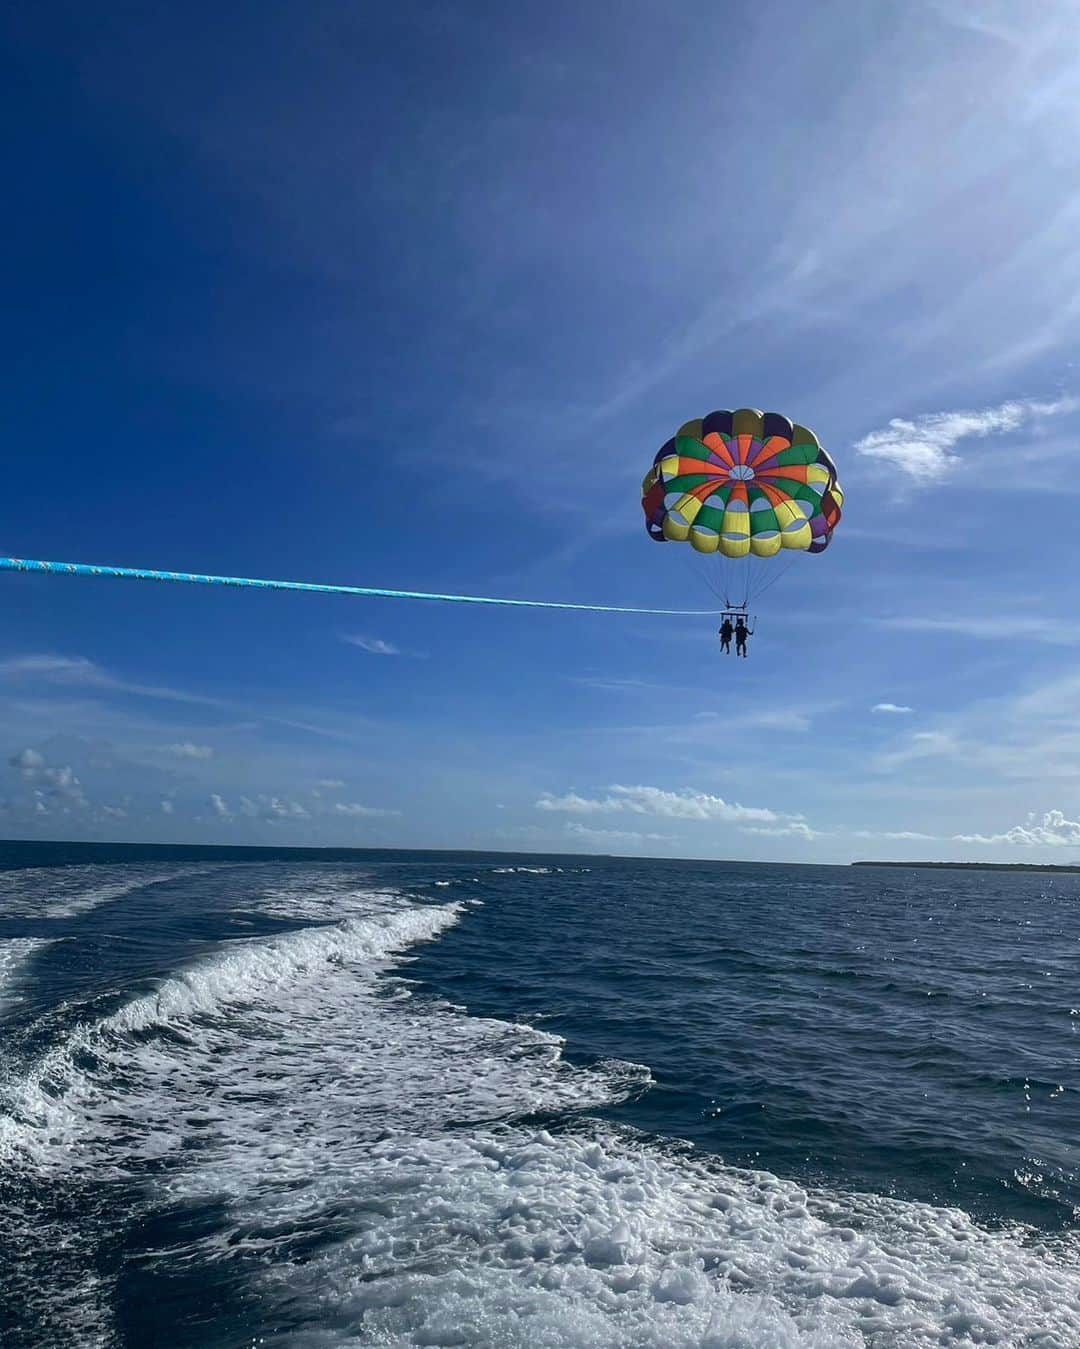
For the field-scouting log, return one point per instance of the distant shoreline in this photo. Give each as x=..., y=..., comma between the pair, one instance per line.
x=977, y=866
x=17, y=853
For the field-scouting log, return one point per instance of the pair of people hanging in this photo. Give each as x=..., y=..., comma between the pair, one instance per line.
x=734, y=625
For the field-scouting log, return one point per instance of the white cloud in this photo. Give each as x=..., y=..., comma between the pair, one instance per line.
x=167, y=808
x=32, y=766
x=374, y=646
x=689, y=805
x=221, y=809
x=1052, y=830
x=64, y=781
x=897, y=708
x=355, y=809
x=270, y=808
x=187, y=750
x=329, y=784
x=576, y=805
x=681, y=805
x=278, y=808
x=923, y=448
x=115, y=812
x=28, y=762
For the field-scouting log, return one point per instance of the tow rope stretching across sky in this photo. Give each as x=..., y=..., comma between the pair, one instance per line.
x=375, y=592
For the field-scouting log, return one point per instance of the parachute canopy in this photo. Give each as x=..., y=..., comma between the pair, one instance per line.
x=743, y=484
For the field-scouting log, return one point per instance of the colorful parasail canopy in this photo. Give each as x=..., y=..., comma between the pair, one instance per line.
x=743, y=484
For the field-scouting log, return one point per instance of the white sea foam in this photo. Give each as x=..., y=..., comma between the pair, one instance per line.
x=597, y=1239
x=14, y=954
x=65, y=892
x=319, y=894
x=540, y=871
x=297, y=1021
x=283, y=1078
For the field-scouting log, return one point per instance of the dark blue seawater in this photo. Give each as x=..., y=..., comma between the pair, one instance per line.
x=314, y=1099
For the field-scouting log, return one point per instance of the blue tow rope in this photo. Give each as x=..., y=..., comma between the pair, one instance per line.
x=370, y=592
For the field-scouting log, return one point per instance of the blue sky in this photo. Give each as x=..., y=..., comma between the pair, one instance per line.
x=409, y=295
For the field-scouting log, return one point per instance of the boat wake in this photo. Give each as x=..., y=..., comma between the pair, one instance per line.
x=287, y=1120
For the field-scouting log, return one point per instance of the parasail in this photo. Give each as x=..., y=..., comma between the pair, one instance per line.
x=744, y=485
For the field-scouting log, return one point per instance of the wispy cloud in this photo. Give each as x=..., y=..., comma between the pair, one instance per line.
x=780, y=717
x=61, y=672
x=896, y=709
x=626, y=684
x=1016, y=626
x=220, y=805
x=924, y=448
x=611, y=837
x=788, y=829
x=894, y=834
x=357, y=811
x=765, y=718
x=78, y=672
x=374, y=646
x=75, y=669
x=186, y=750
x=921, y=745
x=1030, y=736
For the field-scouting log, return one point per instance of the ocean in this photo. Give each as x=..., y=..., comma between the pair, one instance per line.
x=361, y=1098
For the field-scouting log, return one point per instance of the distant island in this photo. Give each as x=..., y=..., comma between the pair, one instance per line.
x=978, y=866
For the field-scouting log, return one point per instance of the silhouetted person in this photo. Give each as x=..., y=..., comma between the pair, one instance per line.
x=742, y=632
x=725, y=636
